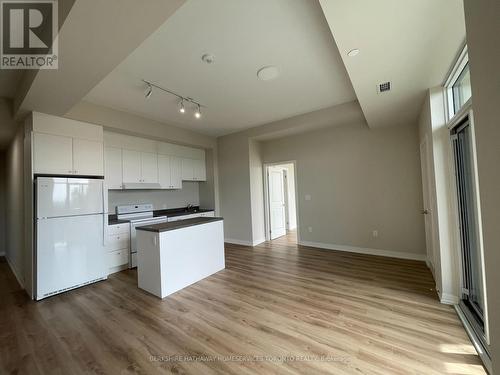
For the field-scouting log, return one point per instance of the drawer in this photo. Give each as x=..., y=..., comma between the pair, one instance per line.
x=117, y=242
x=118, y=229
x=118, y=258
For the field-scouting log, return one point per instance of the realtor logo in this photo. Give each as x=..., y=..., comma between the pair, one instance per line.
x=29, y=34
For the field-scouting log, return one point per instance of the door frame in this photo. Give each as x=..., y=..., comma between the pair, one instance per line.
x=267, y=210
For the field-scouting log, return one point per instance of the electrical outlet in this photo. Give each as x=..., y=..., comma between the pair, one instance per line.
x=375, y=233
x=310, y=229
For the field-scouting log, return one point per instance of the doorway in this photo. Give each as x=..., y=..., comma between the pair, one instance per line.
x=280, y=201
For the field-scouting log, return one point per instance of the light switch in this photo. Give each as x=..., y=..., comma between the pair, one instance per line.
x=308, y=197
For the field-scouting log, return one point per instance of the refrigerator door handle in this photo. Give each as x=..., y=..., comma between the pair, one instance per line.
x=105, y=212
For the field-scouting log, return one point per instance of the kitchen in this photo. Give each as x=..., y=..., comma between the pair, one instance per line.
x=94, y=188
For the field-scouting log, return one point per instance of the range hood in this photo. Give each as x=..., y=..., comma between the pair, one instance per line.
x=141, y=186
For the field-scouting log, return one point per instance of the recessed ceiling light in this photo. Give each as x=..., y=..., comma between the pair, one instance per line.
x=208, y=58
x=353, y=52
x=267, y=73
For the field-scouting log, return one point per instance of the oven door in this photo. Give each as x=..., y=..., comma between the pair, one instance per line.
x=133, y=239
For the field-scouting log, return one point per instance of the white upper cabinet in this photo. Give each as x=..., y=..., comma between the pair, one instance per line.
x=149, y=167
x=88, y=157
x=63, y=146
x=147, y=164
x=169, y=172
x=139, y=167
x=200, y=170
x=113, y=168
x=187, y=169
x=176, y=172
x=53, y=154
x=193, y=170
x=131, y=166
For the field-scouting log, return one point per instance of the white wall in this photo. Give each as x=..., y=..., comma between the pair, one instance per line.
x=256, y=192
x=291, y=204
x=2, y=204
x=359, y=180
x=483, y=29
x=161, y=199
x=432, y=126
x=15, y=205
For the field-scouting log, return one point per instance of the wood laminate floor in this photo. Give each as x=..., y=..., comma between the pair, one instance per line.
x=277, y=308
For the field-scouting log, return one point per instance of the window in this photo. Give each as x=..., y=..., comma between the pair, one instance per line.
x=458, y=85
x=461, y=89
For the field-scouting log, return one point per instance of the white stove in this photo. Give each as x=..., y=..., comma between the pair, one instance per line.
x=138, y=215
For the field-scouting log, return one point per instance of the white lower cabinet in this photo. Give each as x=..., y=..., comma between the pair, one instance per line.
x=118, y=247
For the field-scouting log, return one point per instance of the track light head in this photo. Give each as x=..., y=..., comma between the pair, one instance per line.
x=197, y=114
x=149, y=91
x=182, y=109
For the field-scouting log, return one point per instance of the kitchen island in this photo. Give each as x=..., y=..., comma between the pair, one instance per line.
x=174, y=255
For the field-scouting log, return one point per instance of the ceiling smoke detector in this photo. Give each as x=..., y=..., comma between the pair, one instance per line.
x=267, y=73
x=384, y=87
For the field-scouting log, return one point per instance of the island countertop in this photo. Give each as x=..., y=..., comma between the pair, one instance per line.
x=173, y=225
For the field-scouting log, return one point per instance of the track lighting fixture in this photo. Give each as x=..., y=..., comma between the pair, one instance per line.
x=182, y=108
x=149, y=91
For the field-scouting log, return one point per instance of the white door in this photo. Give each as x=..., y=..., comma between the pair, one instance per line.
x=164, y=171
x=200, y=170
x=187, y=169
x=176, y=172
x=58, y=197
x=113, y=168
x=69, y=253
x=149, y=167
x=131, y=166
x=427, y=200
x=276, y=202
x=52, y=154
x=88, y=157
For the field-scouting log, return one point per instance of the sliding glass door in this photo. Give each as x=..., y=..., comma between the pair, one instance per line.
x=472, y=301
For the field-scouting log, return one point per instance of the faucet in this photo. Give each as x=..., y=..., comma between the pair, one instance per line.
x=189, y=207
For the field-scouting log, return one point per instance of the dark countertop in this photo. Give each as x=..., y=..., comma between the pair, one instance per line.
x=170, y=212
x=173, y=225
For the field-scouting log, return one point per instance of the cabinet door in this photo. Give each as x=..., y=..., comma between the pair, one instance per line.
x=149, y=166
x=88, y=157
x=52, y=154
x=176, y=172
x=164, y=171
x=113, y=168
x=200, y=171
x=131, y=166
x=187, y=169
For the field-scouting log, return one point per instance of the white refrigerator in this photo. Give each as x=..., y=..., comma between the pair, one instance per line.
x=70, y=226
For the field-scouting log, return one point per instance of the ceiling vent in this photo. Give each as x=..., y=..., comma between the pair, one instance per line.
x=384, y=87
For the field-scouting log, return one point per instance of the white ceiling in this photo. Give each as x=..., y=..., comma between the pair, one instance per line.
x=411, y=43
x=244, y=36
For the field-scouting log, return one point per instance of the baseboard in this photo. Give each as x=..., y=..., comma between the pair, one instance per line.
x=364, y=250
x=259, y=241
x=448, y=299
x=12, y=268
x=238, y=242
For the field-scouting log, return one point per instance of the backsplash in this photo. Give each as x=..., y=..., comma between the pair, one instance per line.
x=161, y=199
